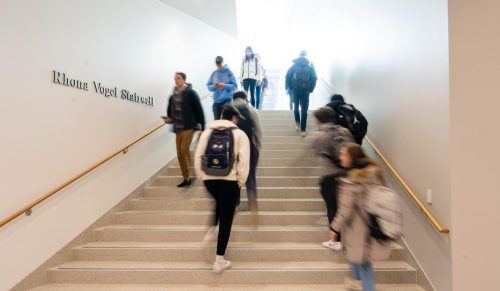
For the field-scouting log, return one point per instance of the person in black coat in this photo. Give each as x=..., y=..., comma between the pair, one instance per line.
x=185, y=113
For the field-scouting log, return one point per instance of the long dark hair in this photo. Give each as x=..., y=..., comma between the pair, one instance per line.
x=248, y=58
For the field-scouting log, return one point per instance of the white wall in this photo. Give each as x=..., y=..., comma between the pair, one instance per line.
x=474, y=104
x=390, y=58
x=52, y=132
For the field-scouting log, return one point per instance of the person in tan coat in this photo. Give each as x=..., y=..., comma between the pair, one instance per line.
x=351, y=218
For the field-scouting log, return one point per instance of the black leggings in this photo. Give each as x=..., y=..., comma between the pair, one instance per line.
x=226, y=194
x=329, y=191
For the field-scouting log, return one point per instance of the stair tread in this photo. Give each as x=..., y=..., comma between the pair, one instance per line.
x=219, y=287
x=239, y=265
x=189, y=245
x=261, y=167
x=203, y=227
x=241, y=212
x=184, y=198
x=267, y=177
x=203, y=187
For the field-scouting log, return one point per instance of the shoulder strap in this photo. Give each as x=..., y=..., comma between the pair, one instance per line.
x=224, y=128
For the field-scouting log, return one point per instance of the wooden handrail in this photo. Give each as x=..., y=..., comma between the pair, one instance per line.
x=407, y=188
x=27, y=209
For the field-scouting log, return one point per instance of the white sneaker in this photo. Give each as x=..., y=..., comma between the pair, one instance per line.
x=333, y=245
x=221, y=267
x=303, y=134
x=297, y=127
x=352, y=284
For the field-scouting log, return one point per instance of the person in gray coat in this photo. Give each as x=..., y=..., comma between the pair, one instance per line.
x=251, y=126
x=351, y=218
x=326, y=143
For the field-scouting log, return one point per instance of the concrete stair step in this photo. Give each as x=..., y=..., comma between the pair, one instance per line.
x=272, y=131
x=285, y=139
x=284, y=146
x=288, y=126
x=178, y=217
x=266, y=123
x=264, y=171
x=286, y=153
x=266, y=181
x=285, y=116
x=217, y=287
x=265, y=204
x=262, y=192
x=204, y=251
x=301, y=153
x=195, y=233
x=277, y=162
x=144, y=272
x=277, y=112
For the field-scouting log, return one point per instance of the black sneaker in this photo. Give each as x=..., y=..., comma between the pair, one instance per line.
x=185, y=183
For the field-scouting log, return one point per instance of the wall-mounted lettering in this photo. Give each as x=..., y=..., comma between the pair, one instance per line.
x=61, y=78
x=136, y=98
x=107, y=92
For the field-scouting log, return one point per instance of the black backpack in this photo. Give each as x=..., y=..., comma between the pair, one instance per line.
x=349, y=117
x=301, y=78
x=246, y=125
x=218, y=159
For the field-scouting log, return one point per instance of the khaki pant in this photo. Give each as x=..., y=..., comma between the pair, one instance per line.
x=183, y=142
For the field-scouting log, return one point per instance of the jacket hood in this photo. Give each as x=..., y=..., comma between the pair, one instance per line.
x=188, y=87
x=224, y=69
x=301, y=61
x=238, y=102
x=221, y=123
x=370, y=174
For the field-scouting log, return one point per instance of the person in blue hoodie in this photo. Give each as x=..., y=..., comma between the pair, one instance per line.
x=223, y=83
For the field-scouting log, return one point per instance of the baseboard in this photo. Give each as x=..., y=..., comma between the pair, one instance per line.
x=39, y=275
x=409, y=258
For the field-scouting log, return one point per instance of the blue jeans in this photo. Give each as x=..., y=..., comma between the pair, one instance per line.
x=249, y=84
x=258, y=92
x=300, y=98
x=217, y=108
x=363, y=272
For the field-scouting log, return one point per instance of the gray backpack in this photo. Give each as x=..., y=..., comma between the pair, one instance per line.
x=385, y=218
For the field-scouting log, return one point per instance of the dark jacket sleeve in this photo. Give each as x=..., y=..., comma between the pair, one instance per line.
x=288, y=79
x=169, y=107
x=197, y=109
x=314, y=78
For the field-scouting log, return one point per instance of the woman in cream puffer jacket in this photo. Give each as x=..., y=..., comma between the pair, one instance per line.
x=351, y=219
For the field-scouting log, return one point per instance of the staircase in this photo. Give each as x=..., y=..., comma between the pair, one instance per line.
x=157, y=244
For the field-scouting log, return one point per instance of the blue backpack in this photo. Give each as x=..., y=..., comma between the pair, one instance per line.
x=218, y=159
x=301, y=78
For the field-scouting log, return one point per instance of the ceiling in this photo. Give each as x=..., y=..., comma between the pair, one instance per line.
x=220, y=14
